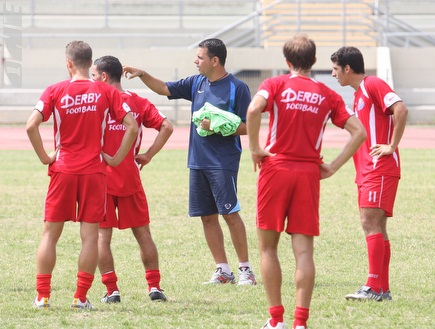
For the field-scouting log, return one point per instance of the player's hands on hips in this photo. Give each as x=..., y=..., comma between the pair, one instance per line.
x=131, y=72
x=257, y=157
x=51, y=157
x=326, y=170
x=142, y=159
x=109, y=159
x=379, y=150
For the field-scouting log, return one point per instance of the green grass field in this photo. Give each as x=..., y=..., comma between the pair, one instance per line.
x=186, y=262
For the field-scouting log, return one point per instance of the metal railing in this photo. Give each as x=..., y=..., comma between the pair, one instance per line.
x=392, y=31
x=249, y=37
x=183, y=22
x=255, y=28
x=333, y=23
x=105, y=10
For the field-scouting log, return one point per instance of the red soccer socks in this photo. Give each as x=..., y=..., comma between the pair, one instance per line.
x=43, y=285
x=84, y=283
x=385, y=279
x=301, y=316
x=277, y=314
x=375, y=253
x=153, y=279
x=109, y=279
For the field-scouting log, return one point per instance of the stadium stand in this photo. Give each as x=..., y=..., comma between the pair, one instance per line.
x=161, y=36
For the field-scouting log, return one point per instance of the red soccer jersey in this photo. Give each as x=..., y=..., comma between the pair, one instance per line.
x=79, y=109
x=124, y=179
x=299, y=109
x=371, y=103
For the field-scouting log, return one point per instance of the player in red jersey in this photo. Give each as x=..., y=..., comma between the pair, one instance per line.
x=126, y=201
x=76, y=168
x=291, y=167
x=377, y=163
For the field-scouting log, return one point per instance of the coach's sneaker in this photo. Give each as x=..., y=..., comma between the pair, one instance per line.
x=44, y=302
x=79, y=305
x=220, y=277
x=387, y=296
x=114, y=297
x=157, y=295
x=246, y=276
x=280, y=325
x=365, y=293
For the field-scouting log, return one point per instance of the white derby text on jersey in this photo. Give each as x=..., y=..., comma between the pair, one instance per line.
x=80, y=103
x=302, y=100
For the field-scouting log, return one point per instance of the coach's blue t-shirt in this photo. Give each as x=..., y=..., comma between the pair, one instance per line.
x=229, y=94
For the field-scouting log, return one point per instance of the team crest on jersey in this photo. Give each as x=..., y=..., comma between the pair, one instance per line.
x=360, y=105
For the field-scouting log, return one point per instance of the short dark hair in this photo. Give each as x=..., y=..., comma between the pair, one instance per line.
x=111, y=66
x=300, y=51
x=80, y=53
x=349, y=56
x=215, y=47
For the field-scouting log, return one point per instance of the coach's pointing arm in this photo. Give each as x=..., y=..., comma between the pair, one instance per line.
x=156, y=85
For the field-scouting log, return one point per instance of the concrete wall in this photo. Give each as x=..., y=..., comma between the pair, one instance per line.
x=41, y=67
x=412, y=73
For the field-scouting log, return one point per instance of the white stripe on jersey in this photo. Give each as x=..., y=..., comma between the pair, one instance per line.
x=372, y=126
x=138, y=139
x=103, y=125
x=58, y=122
x=273, y=131
x=319, y=140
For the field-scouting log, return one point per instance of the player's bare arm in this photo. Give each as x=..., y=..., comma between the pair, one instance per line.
x=32, y=128
x=357, y=137
x=253, y=123
x=127, y=141
x=156, y=85
x=400, y=113
x=162, y=137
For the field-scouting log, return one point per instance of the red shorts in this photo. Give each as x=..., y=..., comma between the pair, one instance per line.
x=125, y=212
x=80, y=198
x=289, y=190
x=378, y=192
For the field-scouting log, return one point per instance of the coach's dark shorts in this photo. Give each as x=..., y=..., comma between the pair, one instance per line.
x=212, y=191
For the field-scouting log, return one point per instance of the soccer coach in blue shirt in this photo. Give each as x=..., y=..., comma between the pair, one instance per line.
x=213, y=160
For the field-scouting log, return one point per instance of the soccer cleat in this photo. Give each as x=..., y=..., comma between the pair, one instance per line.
x=114, y=297
x=220, y=277
x=365, y=293
x=300, y=327
x=246, y=276
x=44, y=302
x=79, y=305
x=280, y=325
x=157, y=295
x=387, y=295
